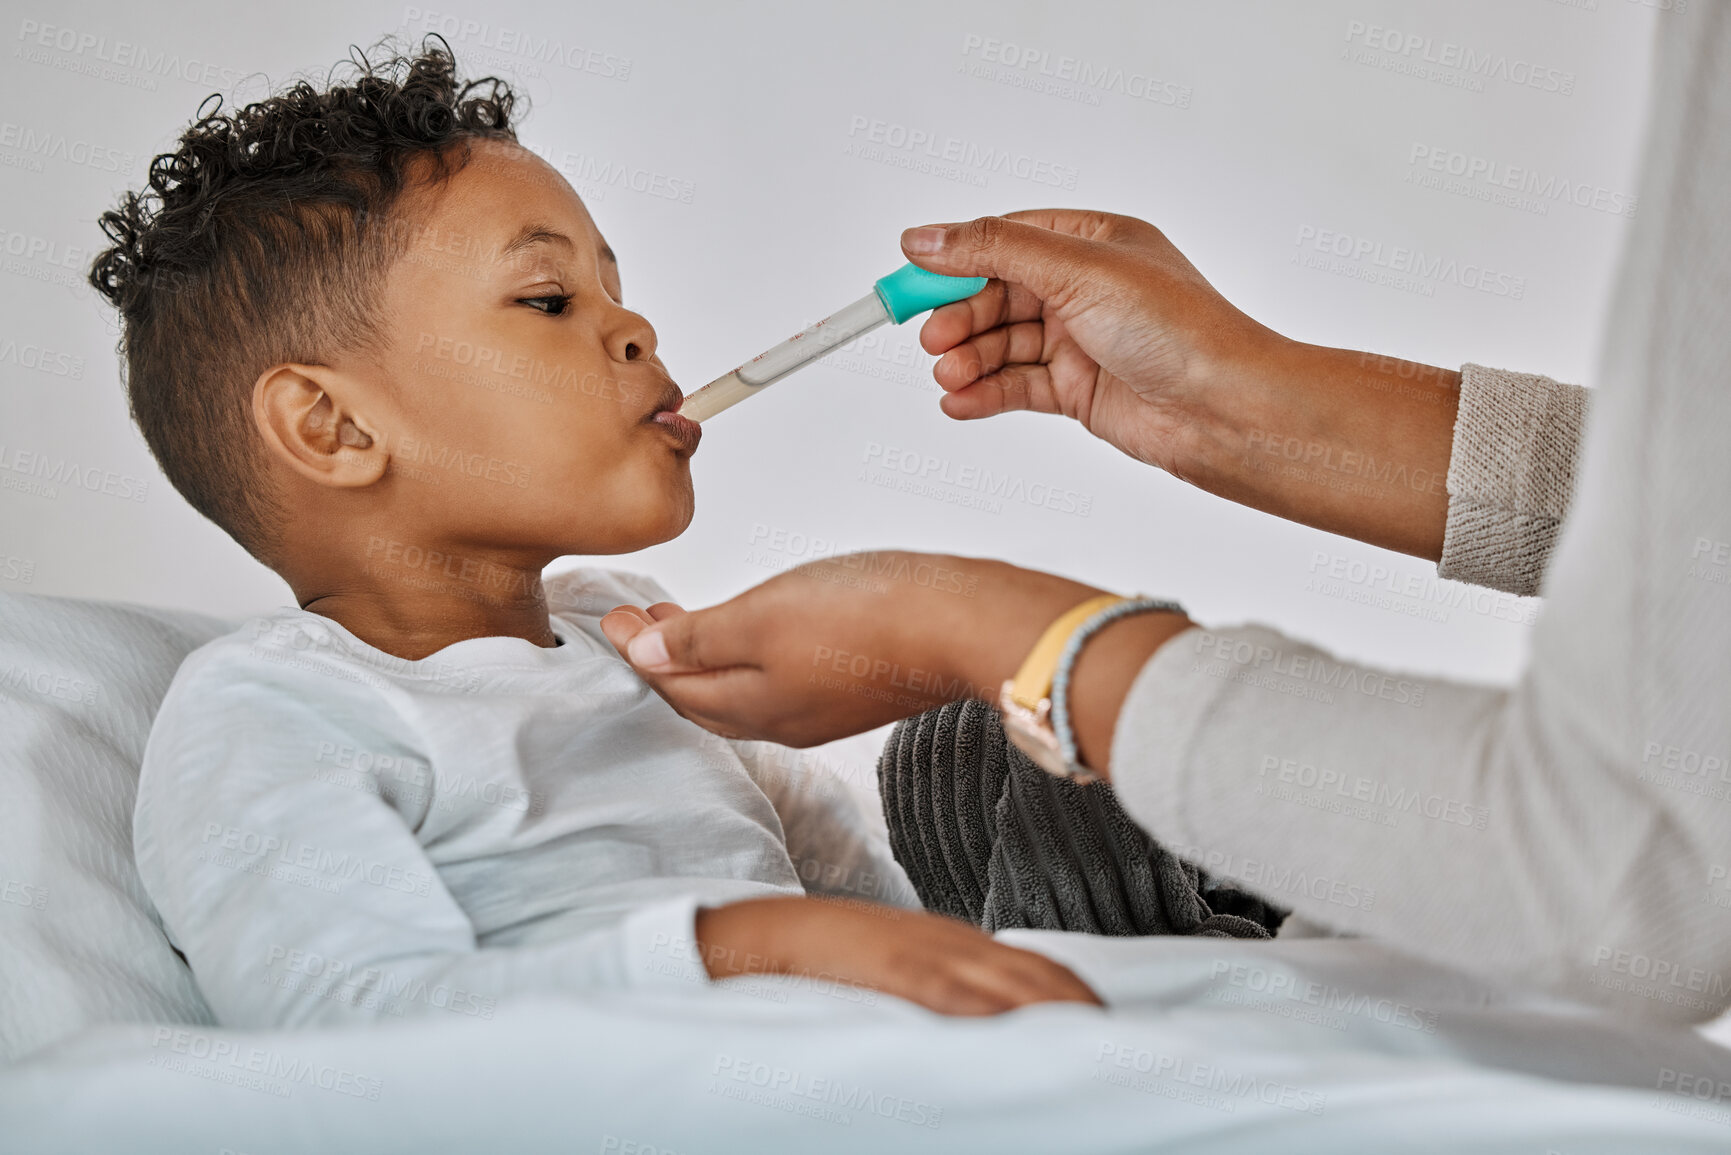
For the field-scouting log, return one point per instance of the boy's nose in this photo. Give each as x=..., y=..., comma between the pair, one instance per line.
x=632, y=339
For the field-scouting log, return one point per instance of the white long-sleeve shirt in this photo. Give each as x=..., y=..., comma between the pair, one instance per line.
x=1574, y=831
x=329, y=831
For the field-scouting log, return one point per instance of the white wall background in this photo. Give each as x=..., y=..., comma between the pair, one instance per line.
x=1267, y=119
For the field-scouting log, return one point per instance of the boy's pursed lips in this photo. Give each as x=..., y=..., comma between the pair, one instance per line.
x=684, y=431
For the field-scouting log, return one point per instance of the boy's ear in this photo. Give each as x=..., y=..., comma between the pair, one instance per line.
x=308, y=421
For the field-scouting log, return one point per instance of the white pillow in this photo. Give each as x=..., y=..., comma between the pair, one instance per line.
x=80, y=944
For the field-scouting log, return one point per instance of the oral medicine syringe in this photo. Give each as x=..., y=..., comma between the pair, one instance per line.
x=907, y=292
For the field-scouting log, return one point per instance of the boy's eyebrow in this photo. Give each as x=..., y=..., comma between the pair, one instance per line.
x=534, y=234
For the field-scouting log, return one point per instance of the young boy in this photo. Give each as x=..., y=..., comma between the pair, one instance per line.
x=384, y=347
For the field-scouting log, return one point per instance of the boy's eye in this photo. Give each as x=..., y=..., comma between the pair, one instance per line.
x=552, y=306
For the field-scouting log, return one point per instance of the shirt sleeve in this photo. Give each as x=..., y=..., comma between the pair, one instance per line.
x=834, y=847
x=1467, y=824
x=298, y=900
x=1570, y=831
x=1511, y=474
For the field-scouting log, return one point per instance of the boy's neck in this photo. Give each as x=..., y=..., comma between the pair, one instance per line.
x=414, y=624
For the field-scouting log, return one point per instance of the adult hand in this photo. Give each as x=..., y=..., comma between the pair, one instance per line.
x=1098, y=317
x=1092, y=315
x=843, y=645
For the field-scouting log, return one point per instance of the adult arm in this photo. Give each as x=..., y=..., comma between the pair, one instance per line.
x=1099, y=317
x=1520, y=832
x=1602, y=777
x=1511, y=474
x=1570, y=831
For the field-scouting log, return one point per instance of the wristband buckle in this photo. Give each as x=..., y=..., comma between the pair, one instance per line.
x=1034, y=705
x=1031, y=731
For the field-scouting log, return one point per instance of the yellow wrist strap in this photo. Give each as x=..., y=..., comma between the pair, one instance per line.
x=1034, y=680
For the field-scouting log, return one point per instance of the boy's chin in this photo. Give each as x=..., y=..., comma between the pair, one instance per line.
x=658, y=530
x=657, y=513
x=681, y=509
x=669, y=534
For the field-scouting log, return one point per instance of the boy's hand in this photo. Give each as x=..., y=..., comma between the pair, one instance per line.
x=940, y=963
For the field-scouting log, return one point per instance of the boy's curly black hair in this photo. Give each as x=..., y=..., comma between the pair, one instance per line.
x=264, y=237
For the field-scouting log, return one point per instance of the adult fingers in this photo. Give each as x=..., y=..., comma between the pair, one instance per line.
x=996, y=304
x=714, y=699
x=683, y=642
x=1052, y=265
x=990, y=351
x=1089, y=224
x=1012, y=387
x=1078, y=233
x=633, y=613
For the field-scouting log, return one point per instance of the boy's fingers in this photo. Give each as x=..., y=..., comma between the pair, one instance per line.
x=1050, y=975
x=991, y=982
x=951, y=993
x=1063, y=983
x=1029, y=977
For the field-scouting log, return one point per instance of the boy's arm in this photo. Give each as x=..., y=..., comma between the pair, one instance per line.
x=888, y=942
x=834, y=846
x=941, y=963
x=300, y=900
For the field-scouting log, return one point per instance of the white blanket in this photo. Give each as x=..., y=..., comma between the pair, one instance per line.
x=1209, y=1046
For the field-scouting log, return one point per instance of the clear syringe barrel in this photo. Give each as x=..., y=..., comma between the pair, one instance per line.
x=796, y=352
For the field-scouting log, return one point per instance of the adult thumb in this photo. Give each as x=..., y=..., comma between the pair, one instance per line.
x=1049, y=264
x=693, y=641
x=662, y=648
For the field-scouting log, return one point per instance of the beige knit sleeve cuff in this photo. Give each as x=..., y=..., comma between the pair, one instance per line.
x=1511, y=472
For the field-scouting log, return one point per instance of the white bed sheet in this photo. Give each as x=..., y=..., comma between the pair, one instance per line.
x=1209, y=1046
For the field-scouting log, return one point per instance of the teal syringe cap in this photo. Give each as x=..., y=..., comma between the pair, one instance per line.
x=911, y=290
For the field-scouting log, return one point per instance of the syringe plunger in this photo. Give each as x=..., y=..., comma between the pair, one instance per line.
x=906, y=292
